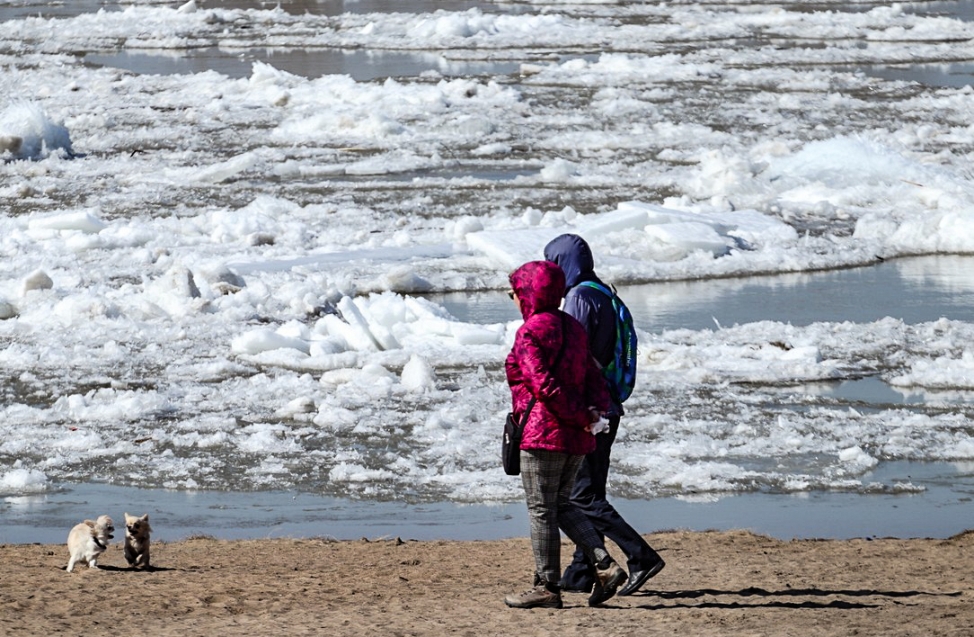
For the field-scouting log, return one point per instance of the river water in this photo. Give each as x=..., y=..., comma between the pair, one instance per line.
x=915, y=290
x=365, y=65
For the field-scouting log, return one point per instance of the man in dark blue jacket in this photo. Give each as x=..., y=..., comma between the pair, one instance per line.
x=593, y=309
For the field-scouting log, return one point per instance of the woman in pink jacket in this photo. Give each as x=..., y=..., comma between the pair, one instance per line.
x=556, y=382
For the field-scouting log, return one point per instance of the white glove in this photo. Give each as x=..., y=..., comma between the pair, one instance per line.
x=601, y=425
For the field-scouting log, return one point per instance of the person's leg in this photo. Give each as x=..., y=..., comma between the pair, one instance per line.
x=548, y=478
x=579, y=575
x=541, y=474
x=590, y=496
x=572, y=520
x=576, y=525
x=587, y=495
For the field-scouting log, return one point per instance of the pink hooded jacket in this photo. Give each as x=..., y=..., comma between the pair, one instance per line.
x=565, y=387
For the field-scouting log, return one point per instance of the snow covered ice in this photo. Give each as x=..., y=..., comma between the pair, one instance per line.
x=223, y=282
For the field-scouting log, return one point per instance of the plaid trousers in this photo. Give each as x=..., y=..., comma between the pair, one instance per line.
x=548, y=478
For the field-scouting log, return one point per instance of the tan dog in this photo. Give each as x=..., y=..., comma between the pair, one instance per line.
x=88, y=540
x=137, y=532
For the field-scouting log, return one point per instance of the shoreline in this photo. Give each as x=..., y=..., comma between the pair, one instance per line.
x=732, y=583
x=938, y=512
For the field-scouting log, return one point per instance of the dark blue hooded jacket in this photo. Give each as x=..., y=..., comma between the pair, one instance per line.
x=588, y=306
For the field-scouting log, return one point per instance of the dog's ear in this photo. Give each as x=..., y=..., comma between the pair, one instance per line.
x=90, y=523
x=145, y=517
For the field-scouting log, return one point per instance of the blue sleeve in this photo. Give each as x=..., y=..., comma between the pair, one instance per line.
x=581, y=309
x=593, y=310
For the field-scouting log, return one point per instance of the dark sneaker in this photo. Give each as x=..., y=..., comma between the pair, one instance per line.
x=607, y=581
x=537, y=597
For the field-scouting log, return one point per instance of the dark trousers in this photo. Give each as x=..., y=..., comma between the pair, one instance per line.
x=588, y=495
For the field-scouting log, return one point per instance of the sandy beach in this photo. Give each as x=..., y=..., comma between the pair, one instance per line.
x=715, y=583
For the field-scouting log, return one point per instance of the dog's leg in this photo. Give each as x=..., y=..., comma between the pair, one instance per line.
x=71, y=562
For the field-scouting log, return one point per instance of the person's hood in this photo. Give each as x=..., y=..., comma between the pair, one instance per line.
x=573, y=254
x=539, y=286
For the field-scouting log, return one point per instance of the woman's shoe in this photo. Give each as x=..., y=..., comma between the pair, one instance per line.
x=537, y=597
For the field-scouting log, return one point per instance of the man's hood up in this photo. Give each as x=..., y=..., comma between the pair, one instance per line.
x=573, y=254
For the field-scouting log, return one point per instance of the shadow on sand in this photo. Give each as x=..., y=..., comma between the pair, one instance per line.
x=777, y=603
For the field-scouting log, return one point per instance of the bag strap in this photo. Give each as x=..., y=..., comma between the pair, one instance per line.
x=527, y=412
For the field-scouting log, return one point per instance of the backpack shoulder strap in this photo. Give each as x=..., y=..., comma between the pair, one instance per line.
x=597, y=286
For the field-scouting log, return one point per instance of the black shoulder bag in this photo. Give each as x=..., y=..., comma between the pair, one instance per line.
x=511, y=443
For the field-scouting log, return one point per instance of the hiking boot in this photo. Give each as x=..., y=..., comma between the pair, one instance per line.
x=537, y=597
x=608, y=579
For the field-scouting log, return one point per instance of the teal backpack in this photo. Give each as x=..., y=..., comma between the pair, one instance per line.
x=621, y=370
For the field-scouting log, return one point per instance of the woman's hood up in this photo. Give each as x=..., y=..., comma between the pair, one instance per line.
x=539, y=286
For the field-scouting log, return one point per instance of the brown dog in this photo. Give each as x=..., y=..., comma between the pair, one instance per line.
x=88, y=540
x=137, y=532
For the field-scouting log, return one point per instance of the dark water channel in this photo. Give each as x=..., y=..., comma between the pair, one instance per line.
x=360, y=65
x=365, y=66
x=70, y=8
x=914, y=290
